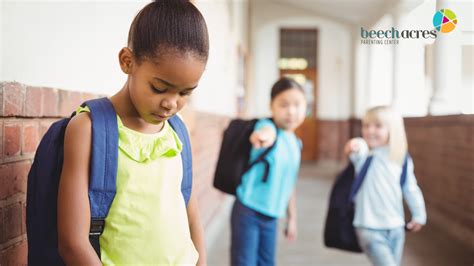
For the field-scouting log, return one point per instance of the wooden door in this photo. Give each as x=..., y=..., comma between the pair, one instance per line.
x=301, y=44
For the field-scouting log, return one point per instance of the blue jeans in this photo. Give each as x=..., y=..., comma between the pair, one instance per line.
x=253, y=237
x=383, y=247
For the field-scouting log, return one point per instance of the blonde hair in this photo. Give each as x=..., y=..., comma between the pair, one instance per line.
x=397, y=140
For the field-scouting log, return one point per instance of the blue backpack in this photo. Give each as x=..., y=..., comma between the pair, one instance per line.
x=338, y=230
x=43, y=180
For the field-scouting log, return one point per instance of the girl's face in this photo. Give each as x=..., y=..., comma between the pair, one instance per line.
x=289, y=109
x=375, y=133
x=158, y=90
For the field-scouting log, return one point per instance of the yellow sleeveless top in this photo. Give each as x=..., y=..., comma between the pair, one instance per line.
x=147, y=223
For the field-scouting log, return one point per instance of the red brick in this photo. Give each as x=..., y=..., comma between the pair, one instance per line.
x=12, y=137
x=23, y=218
x=13, y=99
x=442, y=150
x=88, y=96
x=68, y=102
x=12, y=220
x=332, y=137
x=30, y=137
x=2, y=228
x=15, y=255
x=1, y=139
x=34, y=102
x=50, y=102
x=13, y=178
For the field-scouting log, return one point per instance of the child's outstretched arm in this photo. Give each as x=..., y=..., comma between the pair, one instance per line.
x=414, y=198
x=355, y=145
x=73, y=201
x=263, y=138
x=356, y=149
x=197, y=232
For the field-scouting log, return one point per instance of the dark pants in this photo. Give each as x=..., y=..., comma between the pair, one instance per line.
x=253, y=237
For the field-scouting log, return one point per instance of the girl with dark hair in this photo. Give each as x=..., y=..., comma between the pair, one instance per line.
x=259, y=203
x=148, y=222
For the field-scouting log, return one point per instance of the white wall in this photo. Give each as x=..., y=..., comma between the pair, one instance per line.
x=467, y=102
x=379, y=73
x=361, y=92
x=412, y=62
x=226, y=21
x=413, y=88
x=465, y=13
x=333, y=76
x=70, y=45
x=1, y=39
x=74, y=45
x=381, y=68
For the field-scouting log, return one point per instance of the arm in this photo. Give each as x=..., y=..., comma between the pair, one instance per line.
x=197, y=232
x=263, y=138
x=291, y=231
x=73, y=201
x=414, y=198
x=356, y=149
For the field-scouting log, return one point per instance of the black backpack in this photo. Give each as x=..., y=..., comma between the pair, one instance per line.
x=234, y=156
x=339, y=232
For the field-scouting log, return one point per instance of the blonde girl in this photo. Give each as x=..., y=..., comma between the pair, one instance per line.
x=379, y=216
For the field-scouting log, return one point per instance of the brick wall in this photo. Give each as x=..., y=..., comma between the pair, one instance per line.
x=206, y=136
x=442, y=148
x=333, y=134
x=25, y=115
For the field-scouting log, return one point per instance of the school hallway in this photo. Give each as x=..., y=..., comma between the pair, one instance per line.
x=323, y=45
x=429, y=247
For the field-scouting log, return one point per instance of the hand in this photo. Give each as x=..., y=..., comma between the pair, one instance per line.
x=263, y=138
x=353, y=145
x=291, y=231
x=413, y=226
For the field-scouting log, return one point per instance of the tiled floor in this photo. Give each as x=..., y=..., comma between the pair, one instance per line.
x=429, y=247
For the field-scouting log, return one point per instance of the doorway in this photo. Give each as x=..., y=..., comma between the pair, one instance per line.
x=298, y=54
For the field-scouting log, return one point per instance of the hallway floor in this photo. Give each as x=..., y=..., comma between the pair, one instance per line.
x=429, y=247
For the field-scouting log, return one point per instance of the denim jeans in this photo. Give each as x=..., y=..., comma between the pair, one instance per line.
x=383, y=247
x=253, y=240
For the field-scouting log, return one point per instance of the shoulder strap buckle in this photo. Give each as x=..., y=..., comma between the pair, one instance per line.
x=97, y=227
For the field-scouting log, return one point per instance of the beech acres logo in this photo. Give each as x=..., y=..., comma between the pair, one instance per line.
x=444, y=21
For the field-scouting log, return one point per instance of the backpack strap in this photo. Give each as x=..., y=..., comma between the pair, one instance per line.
x=103, y=165
x=186, y=156
x=261, y=157
x=403, y=178
x=360, y=178
x=104, y=156
x=363, y=172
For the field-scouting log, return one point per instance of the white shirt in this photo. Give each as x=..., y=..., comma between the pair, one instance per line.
x=379, y=201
